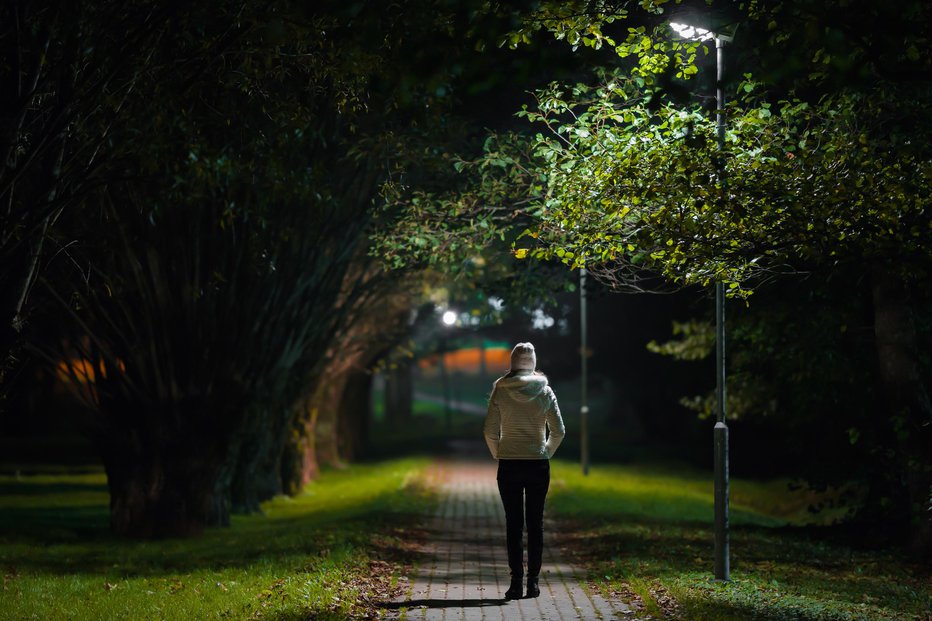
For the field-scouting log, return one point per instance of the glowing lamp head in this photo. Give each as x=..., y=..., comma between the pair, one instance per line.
x=692, y=33
x=449, y=318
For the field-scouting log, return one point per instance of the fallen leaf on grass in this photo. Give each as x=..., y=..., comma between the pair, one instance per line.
x=668, y=605
x=373, y=588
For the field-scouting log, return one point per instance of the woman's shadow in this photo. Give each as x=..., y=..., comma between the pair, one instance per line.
x=443, y=603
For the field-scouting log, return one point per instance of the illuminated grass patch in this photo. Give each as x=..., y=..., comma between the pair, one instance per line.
x=646, y=532
x=301, y=559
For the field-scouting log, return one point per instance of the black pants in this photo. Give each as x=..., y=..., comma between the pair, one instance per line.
x=523, y=485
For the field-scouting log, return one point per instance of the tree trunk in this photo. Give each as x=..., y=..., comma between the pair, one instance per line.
x=257, y=468
x=299, y=459
x=354, y=415
x=399, y=394
x=909, y=407
x=312, y=440
x=11, y=344
x=328, y=414
x=313, y=435
x=170, y=490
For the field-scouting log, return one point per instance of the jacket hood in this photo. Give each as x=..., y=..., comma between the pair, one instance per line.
x=522, y=387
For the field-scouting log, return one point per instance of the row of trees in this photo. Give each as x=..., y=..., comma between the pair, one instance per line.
x=826, y=171
x=187, y=197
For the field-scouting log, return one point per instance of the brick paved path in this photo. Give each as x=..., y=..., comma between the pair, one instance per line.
x=464, y=573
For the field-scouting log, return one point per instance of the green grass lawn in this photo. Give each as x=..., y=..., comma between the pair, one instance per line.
x=646, y=532
x=306, y=557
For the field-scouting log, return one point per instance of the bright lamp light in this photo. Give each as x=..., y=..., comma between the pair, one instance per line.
x=449, y=318
x=691, y=32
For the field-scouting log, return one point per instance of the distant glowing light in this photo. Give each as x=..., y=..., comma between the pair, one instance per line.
x=449, y=318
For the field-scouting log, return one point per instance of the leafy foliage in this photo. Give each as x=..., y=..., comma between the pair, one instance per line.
x=624, y=174
x=823, y=166
x=613, y=184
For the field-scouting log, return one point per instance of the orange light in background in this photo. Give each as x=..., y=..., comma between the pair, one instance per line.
x=82, y=370
x=464, y=360
x=469, y=360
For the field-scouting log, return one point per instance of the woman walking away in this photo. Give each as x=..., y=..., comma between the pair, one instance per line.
x=522, y=409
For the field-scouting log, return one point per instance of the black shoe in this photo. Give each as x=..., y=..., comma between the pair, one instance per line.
x=532, y=589
x=514, y=591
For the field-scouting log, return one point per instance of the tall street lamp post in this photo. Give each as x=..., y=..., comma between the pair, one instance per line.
x=584, y=372
x=720, y=433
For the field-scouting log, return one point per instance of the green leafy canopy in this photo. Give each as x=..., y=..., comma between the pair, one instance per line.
x=621, y=178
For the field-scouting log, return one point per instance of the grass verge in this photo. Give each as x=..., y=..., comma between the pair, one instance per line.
x=645, y=533
x=325, y=554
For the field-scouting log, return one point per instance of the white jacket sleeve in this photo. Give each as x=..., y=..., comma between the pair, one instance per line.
x=555, y=423
x=493, y=426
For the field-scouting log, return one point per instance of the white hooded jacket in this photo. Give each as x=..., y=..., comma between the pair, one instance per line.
x=521, y=410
